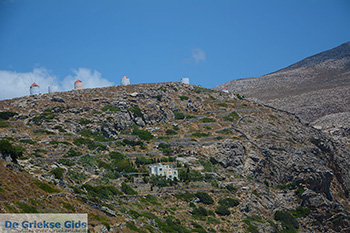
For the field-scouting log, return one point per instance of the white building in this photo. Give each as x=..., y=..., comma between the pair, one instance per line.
x=225, y=90
x=78, y=85
x=185, y=80
x=34, y=89
x=125, y=81
x=164, y=170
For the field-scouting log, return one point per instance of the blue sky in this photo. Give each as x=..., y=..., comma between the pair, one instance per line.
x=57, y=41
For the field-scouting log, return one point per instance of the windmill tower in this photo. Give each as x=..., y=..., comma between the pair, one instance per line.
x=78, y=85
x=185, y=80
x=125, y=81
x=34, y=89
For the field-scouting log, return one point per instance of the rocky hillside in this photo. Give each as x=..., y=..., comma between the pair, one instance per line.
x=313, y=88
x=243, y=166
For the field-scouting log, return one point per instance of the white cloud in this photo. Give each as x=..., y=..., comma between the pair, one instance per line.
x=198, y=55
x=89, y=79
x=14, y=84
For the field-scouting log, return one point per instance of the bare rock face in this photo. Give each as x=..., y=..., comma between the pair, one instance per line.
x=229, y=153
x=315, y=89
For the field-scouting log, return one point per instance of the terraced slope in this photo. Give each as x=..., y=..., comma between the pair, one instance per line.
x=242, y=166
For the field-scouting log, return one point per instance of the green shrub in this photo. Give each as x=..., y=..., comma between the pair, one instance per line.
x=76, y=176
x=127, y=189
x=4, y=124
x=183, y=97
x=27, y=141
x=46, y=116
x=73, y=153
x=179, y=115
x=143, y=134
x=205, y=198
x=83, y=121
x=143, y=161
x=102, y=191
x=110, y=108
x=46, y=187
x=185, y=196
x=300, y=212
x=208, y=120
x=67, y=206
x=7, y=115
x=117, y=156
x=223, y=105
x=212, y=97
x=239, y=96
x=159, y=181
x=166, y=149
x=136, y=111
x=26, y=208
x=57, y=172
x=289, y=223
x=229, y=202
x=14, y=151
x=222, y=210
x=170, y=132
x=200, y=135
x=200, y=211
x=232, y=116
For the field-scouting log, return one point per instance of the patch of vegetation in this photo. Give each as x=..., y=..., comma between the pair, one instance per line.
x=46, y=187
x=222, y=210
x=43, y=131
x=127, y=189
x=57, y=172
x=110, y=108
x=289, y=223
x=14, y=151
x=143, y=134
x=60, y=129
x=166, y=149
x=226, y=131
x=142, y=160
x=102, y=191
x=170, y=132
x=136, y=111
x=208, y=120
x=151, y=199
x=300, y=212
x=73, y=153
x=185, y=196
x=232, y=116
x=4, y=124
x=200, y=211
x=26, y=208
x=179, y=115
x=199, y=134
x=204, y=198
x=76, y=176
x=222, y=105
x=159, y=181
x=89, y=143
x=97, y=136
x=199, y=89
x=45, y=116
x=229, y=202
x=239, y=96
x=67, y=206
x=273, y=116
x=183, y=97
x=7, y=115
x=27, y=141
x=83, y=121
x=60, y=142
x=87, y=161
x=289, y=186
x=158, y=97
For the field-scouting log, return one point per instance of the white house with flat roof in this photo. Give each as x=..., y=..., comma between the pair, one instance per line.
x=164, y=170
